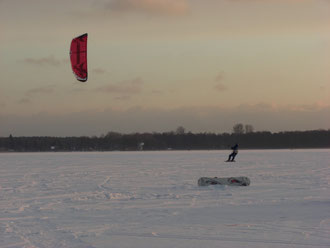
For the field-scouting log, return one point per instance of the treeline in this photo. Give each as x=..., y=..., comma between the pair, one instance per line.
x=169, y=140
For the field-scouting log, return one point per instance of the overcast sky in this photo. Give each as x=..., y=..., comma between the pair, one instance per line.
x=155, y=65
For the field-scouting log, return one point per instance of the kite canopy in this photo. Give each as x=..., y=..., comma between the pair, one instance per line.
x=78, y=57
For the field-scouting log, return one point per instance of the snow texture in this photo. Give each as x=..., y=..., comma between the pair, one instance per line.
x=151, y=199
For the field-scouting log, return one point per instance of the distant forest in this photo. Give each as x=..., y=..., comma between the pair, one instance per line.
x=178, y=140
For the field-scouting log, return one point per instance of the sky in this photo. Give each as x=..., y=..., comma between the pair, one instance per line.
x=155, y=65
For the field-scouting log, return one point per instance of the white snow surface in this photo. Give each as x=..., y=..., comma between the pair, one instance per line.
x=151, y=199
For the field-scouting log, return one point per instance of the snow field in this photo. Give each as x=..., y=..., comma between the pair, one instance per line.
x=151, y=199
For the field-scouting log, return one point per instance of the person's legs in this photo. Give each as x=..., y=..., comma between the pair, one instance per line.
x=233, y=155
x=230, y=156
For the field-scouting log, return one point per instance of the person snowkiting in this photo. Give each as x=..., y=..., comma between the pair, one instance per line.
x=233, y=154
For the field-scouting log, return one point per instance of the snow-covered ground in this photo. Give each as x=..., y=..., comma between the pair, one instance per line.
x=151, y=199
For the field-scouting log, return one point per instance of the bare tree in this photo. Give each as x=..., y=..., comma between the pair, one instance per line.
x=249, y=128
x=180, y=130
x=238, y=128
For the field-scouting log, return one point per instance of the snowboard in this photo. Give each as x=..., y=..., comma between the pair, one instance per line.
x=231, y=181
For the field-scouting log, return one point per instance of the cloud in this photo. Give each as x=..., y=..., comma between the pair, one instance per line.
x=265, y=1
x=220, y=87
x=219, y=79
x=24, y=101
x=38, y=91
x=49, y=61
x=129, y=87
x=266, y=107
x=122, y=98
x=98, y=71
x=157, y=92
x=49, y=89
x=263, y=117
x=163, y=7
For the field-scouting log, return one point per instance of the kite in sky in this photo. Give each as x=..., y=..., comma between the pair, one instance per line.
x=78, y=57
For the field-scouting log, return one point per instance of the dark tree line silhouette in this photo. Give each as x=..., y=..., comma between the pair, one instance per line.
x=179, y=140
